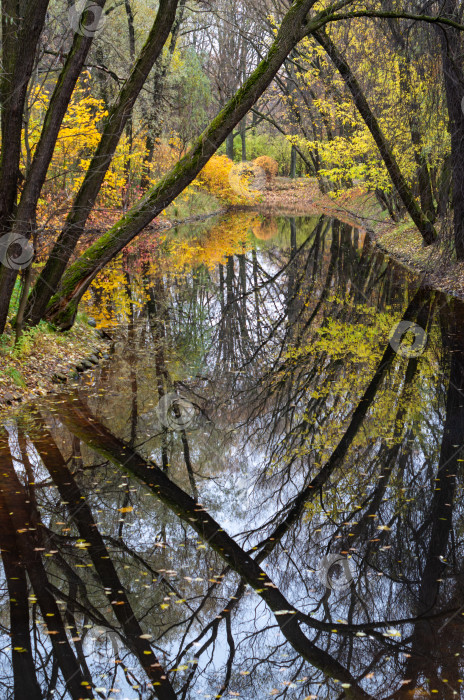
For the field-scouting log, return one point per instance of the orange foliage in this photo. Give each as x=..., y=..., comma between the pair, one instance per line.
x=269, y=165
x=266, y=229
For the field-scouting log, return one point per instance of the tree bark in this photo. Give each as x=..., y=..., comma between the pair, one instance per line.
x=425, y=227
x=230, y=146
x=85, y=199
x=153, y=118
x=63, y=306
x=243, y=132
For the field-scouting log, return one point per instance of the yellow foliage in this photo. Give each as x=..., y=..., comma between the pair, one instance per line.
x=395, y=88
x=77, y=141
x=233, y=183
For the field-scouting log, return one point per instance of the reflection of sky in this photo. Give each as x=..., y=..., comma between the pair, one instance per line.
x=230, y=453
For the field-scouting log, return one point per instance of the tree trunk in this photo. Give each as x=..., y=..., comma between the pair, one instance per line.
x=243, y=130
x=453, y=75
x=85, y=199
x=24, y=676
x=293, y=162
x=230, y=146
x=153, y=118
x=412, y=110
x=423, y=224
x=20, y=510
x=63, y=306
x=20, y=34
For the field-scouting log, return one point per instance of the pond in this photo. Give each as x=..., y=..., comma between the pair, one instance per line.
x=258, y=495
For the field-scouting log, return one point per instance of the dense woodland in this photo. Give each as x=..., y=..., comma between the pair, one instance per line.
x=110, y=111
x=252, y=487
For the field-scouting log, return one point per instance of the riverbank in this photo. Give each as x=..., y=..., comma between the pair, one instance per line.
x=399, y=240
x=44, y=359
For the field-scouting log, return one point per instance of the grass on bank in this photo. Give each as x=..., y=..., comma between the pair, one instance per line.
x=28, y=368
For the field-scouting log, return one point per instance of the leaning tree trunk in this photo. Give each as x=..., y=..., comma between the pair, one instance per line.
x=63, y=306
x=25, y=216
x=423, y=224
x=85, y=199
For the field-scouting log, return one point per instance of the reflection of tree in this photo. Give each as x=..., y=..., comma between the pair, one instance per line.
x=22, y=527
x=24, y=676
x=210, y=531
x=437, y=638
x=340, y=442
x=81, y=516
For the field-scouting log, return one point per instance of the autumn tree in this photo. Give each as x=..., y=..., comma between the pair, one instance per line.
x=60, y=285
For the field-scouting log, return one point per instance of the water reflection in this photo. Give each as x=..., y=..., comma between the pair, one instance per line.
x=259, y=496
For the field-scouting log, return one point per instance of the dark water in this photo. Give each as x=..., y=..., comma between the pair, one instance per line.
x=259, y=495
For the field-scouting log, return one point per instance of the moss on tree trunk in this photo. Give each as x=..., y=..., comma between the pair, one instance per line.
x=295, y=25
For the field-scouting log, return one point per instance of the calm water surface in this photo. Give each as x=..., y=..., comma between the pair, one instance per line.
x=259, y=495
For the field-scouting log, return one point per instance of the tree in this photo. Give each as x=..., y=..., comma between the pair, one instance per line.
x=59, y=288
x=90, y=188
x=422, y=222
x=63, y=306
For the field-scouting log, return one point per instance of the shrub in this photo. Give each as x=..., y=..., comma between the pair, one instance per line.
x=269, y=165
x=215, y=177
x=228, y=181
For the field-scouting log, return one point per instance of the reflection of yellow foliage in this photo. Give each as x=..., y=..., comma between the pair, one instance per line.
x=266, y=229
x=108, y=298
x=350, y=350
x=227, y=237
